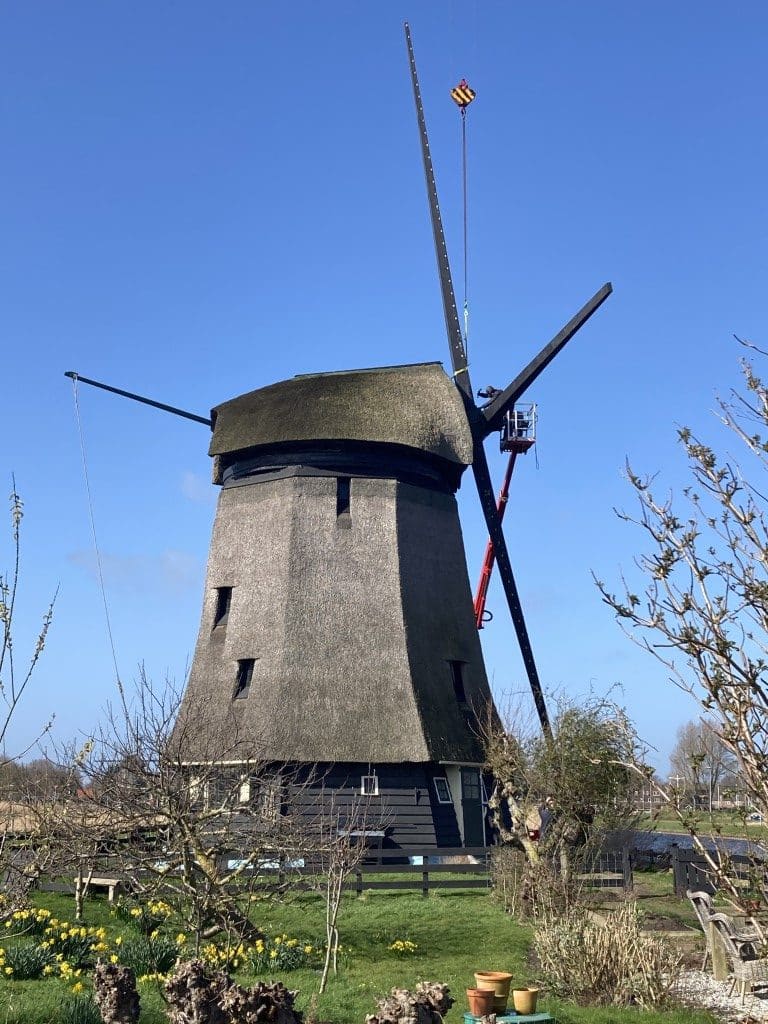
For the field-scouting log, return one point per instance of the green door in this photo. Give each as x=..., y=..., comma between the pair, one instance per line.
x=472, y=807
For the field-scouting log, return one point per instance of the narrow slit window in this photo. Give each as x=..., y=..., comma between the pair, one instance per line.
x=457, y=676
x=223, y=602
x=244, y=677
x=369, y=785
x=343, y=492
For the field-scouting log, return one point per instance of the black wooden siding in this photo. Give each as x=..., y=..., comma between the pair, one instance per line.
x=406, y=807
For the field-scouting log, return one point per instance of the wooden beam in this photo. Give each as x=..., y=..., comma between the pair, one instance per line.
x=496, y=409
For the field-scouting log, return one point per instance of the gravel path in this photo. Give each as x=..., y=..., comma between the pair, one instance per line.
x=700, y=990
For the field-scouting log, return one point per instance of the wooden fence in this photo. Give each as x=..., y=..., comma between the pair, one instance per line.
x=416, y=869
x=691, y=871
x=425, y=867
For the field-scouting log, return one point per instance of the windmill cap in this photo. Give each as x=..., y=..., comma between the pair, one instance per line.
x=415, y=405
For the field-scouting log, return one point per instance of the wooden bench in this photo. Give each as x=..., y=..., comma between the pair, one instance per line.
x=112, y=886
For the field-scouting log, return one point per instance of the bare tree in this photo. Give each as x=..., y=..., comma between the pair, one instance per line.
x=701, y=762
x=701, y=606
x=18, y=862
x=340, y=846
x=14, y=682
x=199, y=835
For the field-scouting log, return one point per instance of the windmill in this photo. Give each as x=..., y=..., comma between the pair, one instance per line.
x=337, y=636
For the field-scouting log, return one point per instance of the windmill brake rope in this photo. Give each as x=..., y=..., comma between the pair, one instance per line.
x=92, y=520
x=466, y=258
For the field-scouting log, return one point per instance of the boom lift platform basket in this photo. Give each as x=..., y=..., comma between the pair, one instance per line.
x=518, y=431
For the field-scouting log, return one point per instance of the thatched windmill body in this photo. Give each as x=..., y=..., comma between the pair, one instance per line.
x=337, y=642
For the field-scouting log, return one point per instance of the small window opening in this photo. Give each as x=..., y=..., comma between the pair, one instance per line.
x=457, y=676
x=244, y=791
x=443, y=791
x=244, y=677
x=223, y=602
x=369, y=785
x=343, y=491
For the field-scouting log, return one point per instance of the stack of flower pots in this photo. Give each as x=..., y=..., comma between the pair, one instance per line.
x=498, y=982
x=491, y=995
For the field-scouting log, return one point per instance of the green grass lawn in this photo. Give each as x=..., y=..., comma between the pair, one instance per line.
x=725, y=823
x=456, y=933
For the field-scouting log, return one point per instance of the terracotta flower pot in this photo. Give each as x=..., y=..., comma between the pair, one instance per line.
x=480, y=1001
x=499, y=981
x=524, y=1000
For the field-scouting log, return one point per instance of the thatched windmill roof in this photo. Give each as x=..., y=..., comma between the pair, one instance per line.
x=414, y=406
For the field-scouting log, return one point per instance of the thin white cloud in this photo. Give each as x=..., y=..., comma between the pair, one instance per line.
x=196, y=488
x=170, y=571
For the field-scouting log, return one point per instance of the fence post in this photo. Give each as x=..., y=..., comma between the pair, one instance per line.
x=676, y=871
x=359, y=882
x=425, y=882
x=626, y=868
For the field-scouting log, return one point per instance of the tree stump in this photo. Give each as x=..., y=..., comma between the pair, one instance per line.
x=197, y=997
x=427, y=1005
x=193, y=995
x=262, y=1003
x=114, y=989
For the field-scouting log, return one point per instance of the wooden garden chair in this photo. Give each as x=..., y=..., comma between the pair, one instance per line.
x=748, y=968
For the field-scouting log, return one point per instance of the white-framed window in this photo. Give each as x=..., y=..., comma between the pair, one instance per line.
x=196, y=789
x=443, y=790
x=369, y=785
x=270, y=799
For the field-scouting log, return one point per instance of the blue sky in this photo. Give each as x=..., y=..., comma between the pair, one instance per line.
x=199, y=199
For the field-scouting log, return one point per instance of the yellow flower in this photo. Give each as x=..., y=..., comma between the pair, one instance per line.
x=273, y=954
x=113, y=959
x=181, y=938
x=9, y=970
x=77, y=987
x=119, y=940
x=307, y=950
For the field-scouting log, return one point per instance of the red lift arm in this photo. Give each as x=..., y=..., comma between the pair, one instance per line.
x=490, y=556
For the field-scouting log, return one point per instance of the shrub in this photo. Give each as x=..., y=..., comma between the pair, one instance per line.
x=281, y=954
x=609, y=962
x=148, y=954
x=146, y=917
x=28, y=922
x=24, y=961
x=531, y=890
x=403, y=947
x=79, y=1010
x=77, y=945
